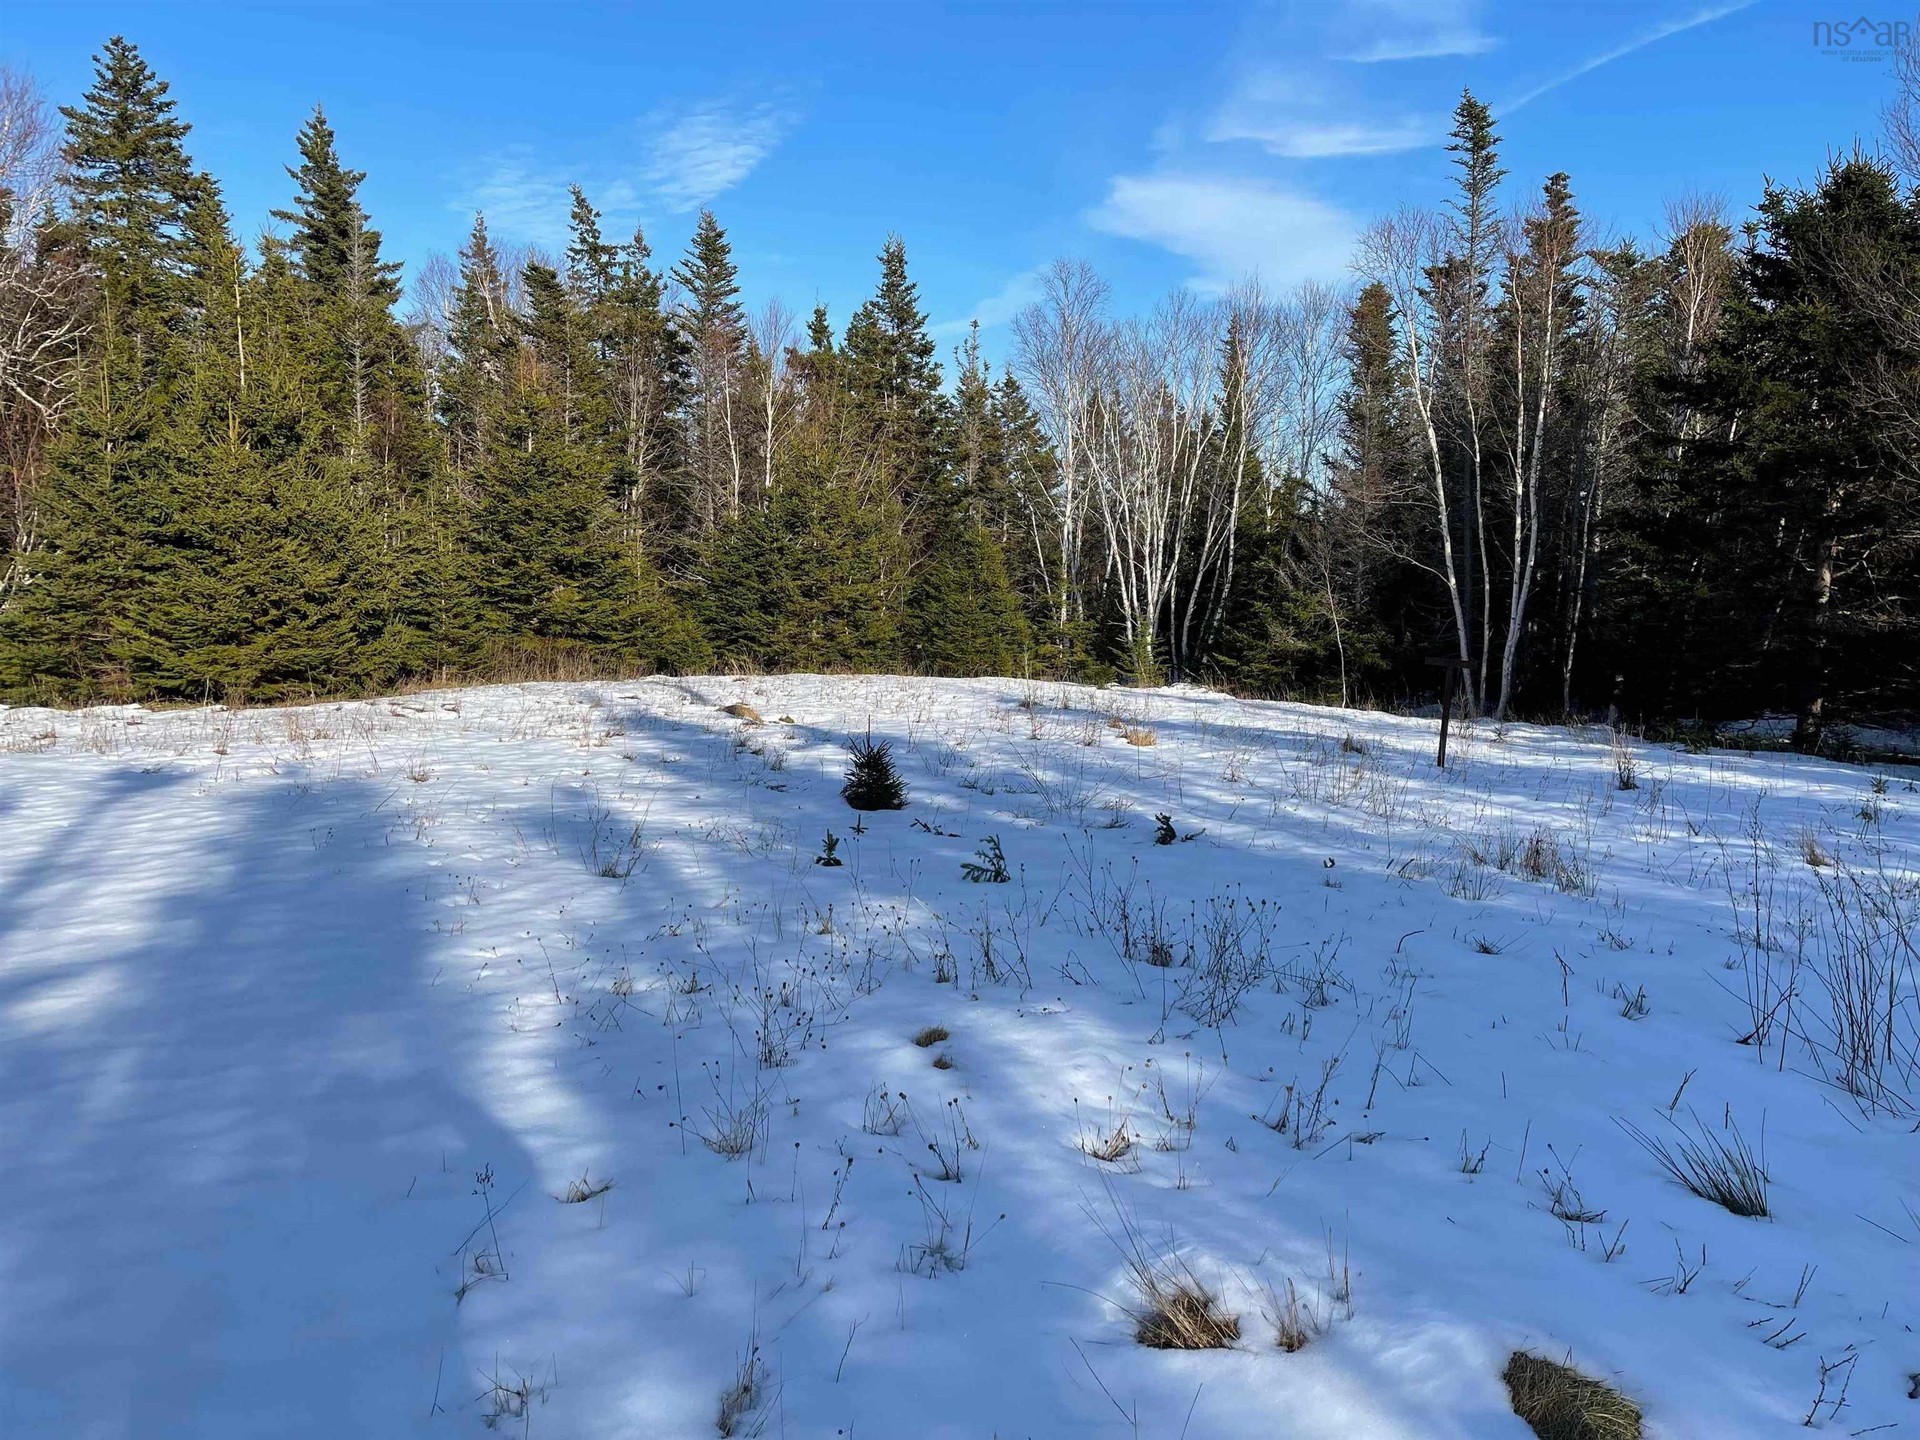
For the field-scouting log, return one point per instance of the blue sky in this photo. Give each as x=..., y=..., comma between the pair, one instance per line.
x=1168, y=143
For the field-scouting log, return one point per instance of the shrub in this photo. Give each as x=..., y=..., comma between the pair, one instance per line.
x=873, y=782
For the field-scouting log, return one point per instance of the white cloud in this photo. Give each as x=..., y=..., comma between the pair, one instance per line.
x=700, y=152
x=1320, y=139
x=996, y=309
x=1301, y=115
x=521, y=199
x=1230, y=226
x=1415, y=30
x=691, y=155
x=1700, y=16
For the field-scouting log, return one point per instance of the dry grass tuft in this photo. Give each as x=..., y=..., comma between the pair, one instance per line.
x=1141, y=735
x=1559, y=1403
x=1295, y=1323
x=931, y=1036
x=744, y=1395
x=943, y=1061
x=1177, y=1312
x=1811, y=850
x=1723, y=1169
x=1112, y=1146
x=578, y=1192
x=740, y=710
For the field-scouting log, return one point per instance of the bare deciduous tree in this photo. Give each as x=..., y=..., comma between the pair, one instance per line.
x=1062, y=344
x=1398, y=253
x=43, y=311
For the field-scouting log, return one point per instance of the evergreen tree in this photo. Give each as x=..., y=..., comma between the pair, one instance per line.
x=560, y=340
x=333, y=246
x=715, y=328
x=893, y=382
x=1808, y=601
x=140, y=213
x=963, y=615
x=1463, y=284
x=811, y=582
x=552, y=570
x=373, y=392
x=132, y=185
x=643, y=362
x=480, y=348
x=258, y=577
x=591, y=261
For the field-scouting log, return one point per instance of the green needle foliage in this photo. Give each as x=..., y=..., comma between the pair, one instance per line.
x=873, y=782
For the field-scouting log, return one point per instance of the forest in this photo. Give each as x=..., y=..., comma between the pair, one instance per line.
x=1675, y=480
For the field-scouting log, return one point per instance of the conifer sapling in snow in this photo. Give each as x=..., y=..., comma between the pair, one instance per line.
x=872, y=781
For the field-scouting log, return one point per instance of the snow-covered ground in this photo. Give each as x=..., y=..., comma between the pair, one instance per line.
x=311, y=1018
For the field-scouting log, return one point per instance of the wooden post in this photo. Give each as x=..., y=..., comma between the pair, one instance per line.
x=1452, y=665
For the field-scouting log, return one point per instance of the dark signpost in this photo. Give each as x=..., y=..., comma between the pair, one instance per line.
x=1453, y=665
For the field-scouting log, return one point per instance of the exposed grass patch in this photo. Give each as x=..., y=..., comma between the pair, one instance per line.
x=1111, y=1146
x=1723, y=1169
x=1559, y=1403
x=1811, y=850
x=1176, y=1311
x=1296, y=1324
x=931, y=1036
x=743, y=1395
x=1140, y=735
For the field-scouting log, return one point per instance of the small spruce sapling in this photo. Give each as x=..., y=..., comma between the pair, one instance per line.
x=827, y=847
x=872, y=781
x=989, y=867
x=1165, y=834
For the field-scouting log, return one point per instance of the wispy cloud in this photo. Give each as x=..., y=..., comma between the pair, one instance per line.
x=521, y=198
x=701, y=152
x=1704, y=15
x=1388, y=30
x=1300, y=115
x=1230, y=226
x=996, y=309
x=689, y=155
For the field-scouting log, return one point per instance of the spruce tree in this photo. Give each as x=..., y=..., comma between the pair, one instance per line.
x=1808, y=489
x=132, y=184
x=811, y=582
x=893, y=382
x=643, y=364
x=1462, y=285
x=591, y=261
x=551, y=569
x=963, y=615
x=139, y=215
x=480, y=349
x=715, y=329
x=712, y=283
x=335, y=249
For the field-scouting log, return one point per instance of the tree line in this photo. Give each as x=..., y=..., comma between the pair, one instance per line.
x=1680, y=479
